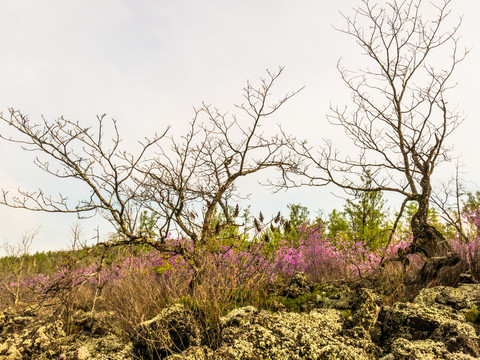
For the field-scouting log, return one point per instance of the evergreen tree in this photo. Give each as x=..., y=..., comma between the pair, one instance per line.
x=364, y=220
x=368, y=219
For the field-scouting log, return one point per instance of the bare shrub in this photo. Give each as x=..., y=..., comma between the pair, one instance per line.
x=15, y=272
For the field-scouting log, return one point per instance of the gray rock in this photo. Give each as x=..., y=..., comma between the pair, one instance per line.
x=463, y=297
x=298, y=285
x=403, y=349
x=419, y=321
x=38, y=336
x=343, y=324
x=249, y=333
x=366, y=307
x=173, y=330
x=351, y=326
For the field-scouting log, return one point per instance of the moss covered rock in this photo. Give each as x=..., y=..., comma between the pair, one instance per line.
x=36, y=335
x=459, y=298
x=436, y=315
x=250, y=333
x=339, y=323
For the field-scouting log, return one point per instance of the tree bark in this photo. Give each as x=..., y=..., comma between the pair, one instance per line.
x=438, y=254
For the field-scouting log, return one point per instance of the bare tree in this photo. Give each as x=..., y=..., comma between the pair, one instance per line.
x=400, y=116
x=182, y=183
x=91, y=157
x=197, y=177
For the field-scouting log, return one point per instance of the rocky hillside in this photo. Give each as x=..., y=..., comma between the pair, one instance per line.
x=329, y=323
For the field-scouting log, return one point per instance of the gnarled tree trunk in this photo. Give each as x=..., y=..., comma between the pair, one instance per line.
x=430, y=243
x=437, y=252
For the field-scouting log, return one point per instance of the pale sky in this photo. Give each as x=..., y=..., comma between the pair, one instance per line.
x=146, y=63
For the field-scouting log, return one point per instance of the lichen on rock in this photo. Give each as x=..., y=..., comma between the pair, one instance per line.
x=36, y=335
x=436, y=315
x=173, y=330
x=251, y=333
x=341, y=323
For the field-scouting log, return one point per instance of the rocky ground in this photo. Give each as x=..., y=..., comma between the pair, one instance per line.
x=329, y=323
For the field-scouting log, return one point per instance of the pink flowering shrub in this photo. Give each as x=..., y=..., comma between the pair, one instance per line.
x=230, y=267
x=469, y=250
x=322, y=258
x=314, y=255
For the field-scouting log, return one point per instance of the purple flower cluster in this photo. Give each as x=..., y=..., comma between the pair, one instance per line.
x=469, y=250
x=315, y=254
